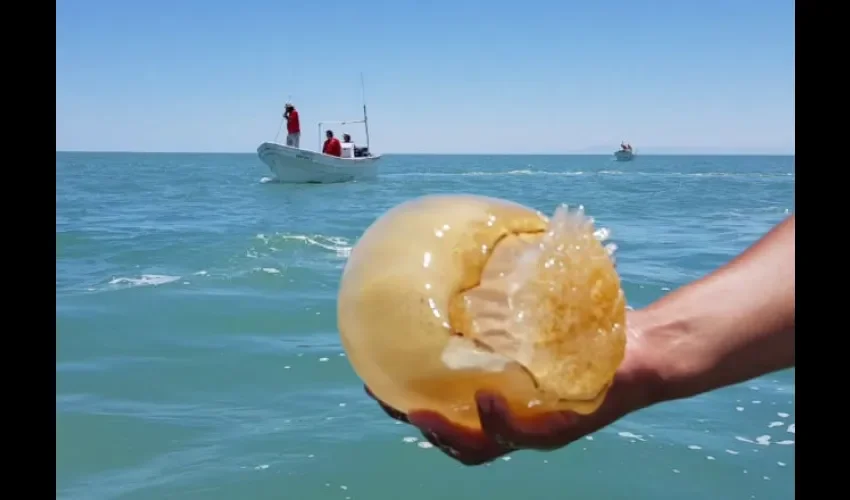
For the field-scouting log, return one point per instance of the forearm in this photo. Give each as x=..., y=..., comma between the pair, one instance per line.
x=731, y=326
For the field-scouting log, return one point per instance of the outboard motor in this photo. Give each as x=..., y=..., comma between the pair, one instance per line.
x=361, y=152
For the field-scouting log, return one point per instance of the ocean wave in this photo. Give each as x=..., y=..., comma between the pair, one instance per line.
x=143, y=280
x=262, y=258
x=280, y=241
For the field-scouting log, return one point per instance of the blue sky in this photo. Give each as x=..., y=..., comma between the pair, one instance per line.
x=462, y=76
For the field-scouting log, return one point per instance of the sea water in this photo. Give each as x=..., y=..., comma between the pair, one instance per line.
x=198, y=356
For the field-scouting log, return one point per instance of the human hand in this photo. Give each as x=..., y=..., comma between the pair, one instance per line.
x=634, y=387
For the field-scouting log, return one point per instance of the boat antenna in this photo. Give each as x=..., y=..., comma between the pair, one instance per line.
x=279, y=128
x=365, y=116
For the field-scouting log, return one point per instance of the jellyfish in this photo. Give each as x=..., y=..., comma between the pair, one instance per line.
x=447, y=295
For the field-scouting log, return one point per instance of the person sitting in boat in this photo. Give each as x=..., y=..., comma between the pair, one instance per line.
x=332, y=147
x=293, y=126
x=348, y=149
x=358, y=152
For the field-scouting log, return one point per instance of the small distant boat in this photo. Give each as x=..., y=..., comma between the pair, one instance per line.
x=624, y=155
x=301, y=166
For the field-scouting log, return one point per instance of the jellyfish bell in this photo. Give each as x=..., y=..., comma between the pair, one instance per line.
x=447, y=295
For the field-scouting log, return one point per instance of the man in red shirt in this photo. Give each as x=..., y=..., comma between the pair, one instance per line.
x=332, y=146
x=293, y=126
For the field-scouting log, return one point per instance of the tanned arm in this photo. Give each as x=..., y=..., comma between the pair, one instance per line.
x=731, y=326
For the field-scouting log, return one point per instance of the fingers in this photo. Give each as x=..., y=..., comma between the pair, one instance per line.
x=501, y=432
x=542, y=432
x=467, y=446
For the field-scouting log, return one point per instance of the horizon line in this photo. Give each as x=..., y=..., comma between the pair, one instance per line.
x=403, y=153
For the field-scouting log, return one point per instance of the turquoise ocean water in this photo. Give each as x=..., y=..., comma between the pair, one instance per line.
x=198, y=356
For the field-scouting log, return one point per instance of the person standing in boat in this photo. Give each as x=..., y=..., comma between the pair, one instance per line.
x=293, y=126
x=332, y=147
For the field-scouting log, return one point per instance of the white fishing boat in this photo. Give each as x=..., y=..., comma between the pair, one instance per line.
x=294, y=165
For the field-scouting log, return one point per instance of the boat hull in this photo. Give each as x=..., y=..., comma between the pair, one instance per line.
x=297, y=166
x=624, y=155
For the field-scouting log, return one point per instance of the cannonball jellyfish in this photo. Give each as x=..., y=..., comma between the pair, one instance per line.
x=446, y=295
